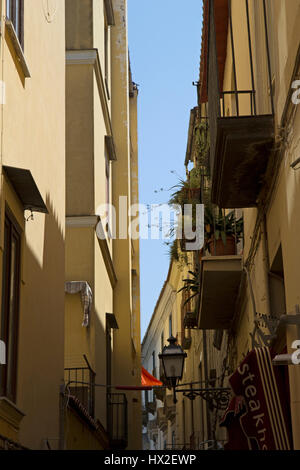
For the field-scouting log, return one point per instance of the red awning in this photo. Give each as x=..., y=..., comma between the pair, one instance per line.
x=147, y=381
x=258, y=416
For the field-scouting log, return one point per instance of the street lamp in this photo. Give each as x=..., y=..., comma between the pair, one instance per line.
x=172, y=358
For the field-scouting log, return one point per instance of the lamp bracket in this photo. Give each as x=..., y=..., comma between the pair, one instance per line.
x=217, y=397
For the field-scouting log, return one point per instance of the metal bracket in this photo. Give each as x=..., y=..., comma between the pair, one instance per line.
x=272, y=324
x=217, y=397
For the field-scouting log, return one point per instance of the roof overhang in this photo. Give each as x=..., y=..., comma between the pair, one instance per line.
x=26, y=189
x=221, y=21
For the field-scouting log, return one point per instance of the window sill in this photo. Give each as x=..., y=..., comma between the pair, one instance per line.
x=17, y=47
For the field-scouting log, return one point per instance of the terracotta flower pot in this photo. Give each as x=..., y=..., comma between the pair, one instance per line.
x=217, y=247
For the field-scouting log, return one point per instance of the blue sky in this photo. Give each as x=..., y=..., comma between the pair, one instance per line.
x=164, y=44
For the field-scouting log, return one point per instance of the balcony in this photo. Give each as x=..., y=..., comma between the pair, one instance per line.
x=240, y=102
x=117, y=422
x=220, y=281
x=80, y=383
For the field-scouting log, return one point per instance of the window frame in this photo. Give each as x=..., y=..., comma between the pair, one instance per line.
x=16, y=17
x=12, y=231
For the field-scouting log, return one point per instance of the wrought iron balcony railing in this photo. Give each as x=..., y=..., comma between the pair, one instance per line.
x=80, y=382
x=240, y=100
x=117, y=420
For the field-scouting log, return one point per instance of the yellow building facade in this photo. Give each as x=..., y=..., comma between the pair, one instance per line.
x=102, y=267
x=257, y=65
x=247, y=307
x=70, y=301
x=32, y=222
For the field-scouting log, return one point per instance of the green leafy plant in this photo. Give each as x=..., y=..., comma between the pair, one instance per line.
x=187, y=191
x=220, y=225
x=195, y=178
x=191, y=285
x=176, y=254
x=201, y=142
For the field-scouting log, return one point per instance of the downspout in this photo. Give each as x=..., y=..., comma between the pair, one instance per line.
x=205, y=362
x=266, y=264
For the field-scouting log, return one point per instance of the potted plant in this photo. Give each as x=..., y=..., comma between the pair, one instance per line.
x=222, y=231
x=191, y=286
x=187, y=191
x=191, y=289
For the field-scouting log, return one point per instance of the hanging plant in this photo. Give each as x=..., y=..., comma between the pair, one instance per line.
x=191, y=286
x=201, y=143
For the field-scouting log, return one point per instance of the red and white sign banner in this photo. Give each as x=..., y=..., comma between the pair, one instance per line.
x=258, y=415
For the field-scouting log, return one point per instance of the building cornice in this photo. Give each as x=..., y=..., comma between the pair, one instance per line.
x=91, y=57
x=82, y=221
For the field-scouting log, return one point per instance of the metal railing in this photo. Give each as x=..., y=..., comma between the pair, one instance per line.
x=117, y=420
x=178, y=447
x=255, y=60
x=80, y=382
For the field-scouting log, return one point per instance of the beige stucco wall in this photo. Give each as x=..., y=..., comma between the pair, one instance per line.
x=33, y=137
x=126, y=359
x=282, y=214
x=92, y=114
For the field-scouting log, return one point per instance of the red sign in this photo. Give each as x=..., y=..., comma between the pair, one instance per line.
x=257, y=418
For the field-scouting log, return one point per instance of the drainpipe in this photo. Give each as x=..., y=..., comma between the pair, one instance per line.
x=205, y=357
x=209, y=437
x=266, y=264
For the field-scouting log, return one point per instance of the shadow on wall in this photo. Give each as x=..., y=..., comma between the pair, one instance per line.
x=41, y=333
